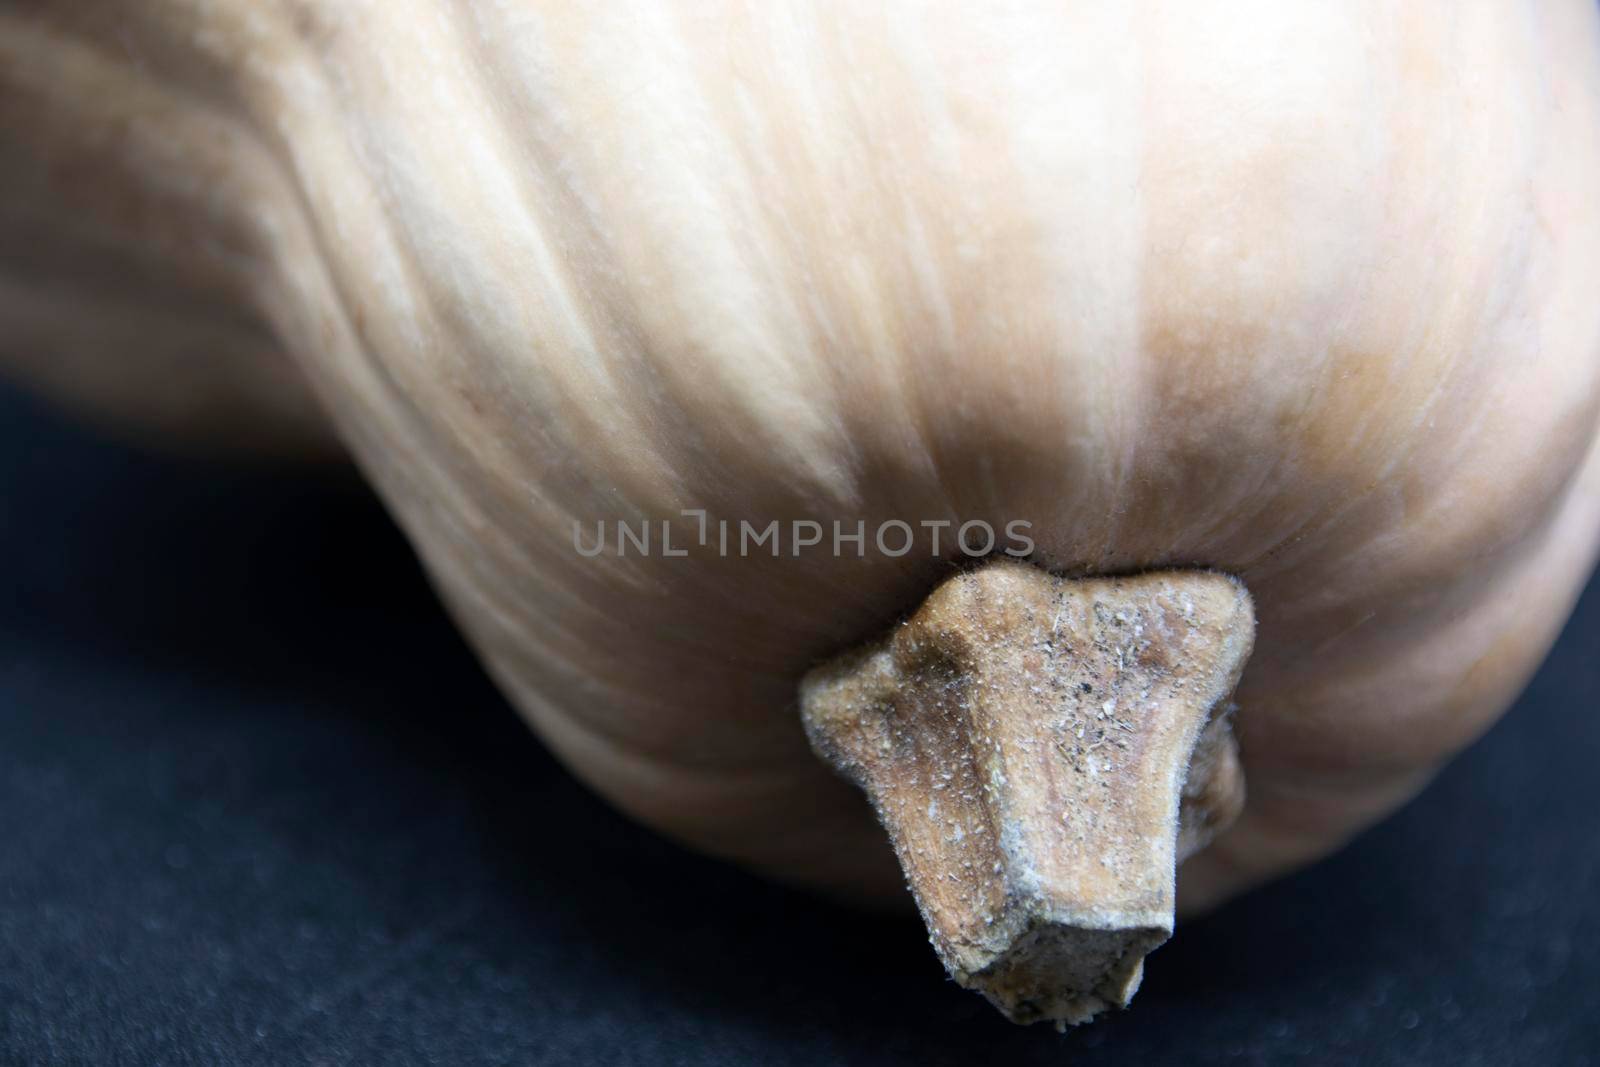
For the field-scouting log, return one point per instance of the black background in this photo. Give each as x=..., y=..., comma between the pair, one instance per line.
x=258, y=805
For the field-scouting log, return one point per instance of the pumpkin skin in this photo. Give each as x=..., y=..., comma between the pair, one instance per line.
x=1300, y=292
x=126, y=291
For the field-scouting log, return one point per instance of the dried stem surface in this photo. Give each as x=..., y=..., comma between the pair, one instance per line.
x=1043, y=752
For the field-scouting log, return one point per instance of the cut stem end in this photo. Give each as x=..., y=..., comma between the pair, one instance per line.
x=1043, y=752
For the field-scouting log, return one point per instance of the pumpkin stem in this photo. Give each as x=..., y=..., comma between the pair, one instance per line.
x=1043, y=752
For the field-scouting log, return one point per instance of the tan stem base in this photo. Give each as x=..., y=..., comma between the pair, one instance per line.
x=1043, y=752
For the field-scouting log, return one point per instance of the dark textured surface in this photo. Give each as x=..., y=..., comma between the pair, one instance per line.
x=258, y=806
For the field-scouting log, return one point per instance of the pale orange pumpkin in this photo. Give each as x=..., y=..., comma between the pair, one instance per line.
x=1304, y=293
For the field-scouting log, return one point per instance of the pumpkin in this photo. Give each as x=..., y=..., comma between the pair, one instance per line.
x=1282, y=309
